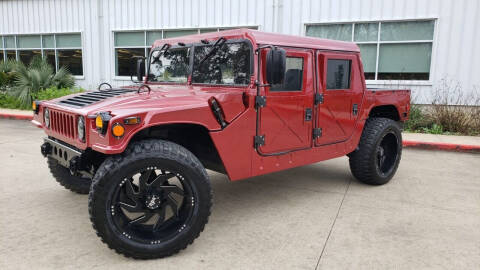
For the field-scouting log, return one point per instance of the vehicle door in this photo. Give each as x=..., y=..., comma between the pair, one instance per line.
x=341, y=88
x=286, y=119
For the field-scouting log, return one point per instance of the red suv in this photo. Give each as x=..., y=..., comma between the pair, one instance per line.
x=240, y=102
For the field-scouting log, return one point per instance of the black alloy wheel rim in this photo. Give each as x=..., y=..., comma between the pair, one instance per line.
x=153, y=205
x=387, y=154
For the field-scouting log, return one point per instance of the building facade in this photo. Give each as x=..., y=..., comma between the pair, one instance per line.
x=416, y=44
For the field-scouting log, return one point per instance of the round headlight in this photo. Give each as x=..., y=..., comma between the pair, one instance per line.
x=81, y=128
x=46, y=117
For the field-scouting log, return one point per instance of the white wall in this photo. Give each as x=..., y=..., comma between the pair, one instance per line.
x=455, y=50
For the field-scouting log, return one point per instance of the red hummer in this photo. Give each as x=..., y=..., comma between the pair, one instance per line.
x=240, y=102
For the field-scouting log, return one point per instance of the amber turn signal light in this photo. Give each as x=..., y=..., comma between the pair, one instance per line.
x=132, y=120
x=118, y=130
x=35, y=106
x=101, y=122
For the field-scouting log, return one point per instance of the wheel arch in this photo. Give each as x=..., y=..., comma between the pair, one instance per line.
x=194, y=137
x=385, y=111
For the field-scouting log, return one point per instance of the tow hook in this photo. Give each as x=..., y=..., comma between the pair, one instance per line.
x=46, y=149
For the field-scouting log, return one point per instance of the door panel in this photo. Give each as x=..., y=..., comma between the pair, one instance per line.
x=282, y=120
x=335, y=115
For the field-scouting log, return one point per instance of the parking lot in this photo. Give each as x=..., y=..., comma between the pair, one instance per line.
x=316, y=216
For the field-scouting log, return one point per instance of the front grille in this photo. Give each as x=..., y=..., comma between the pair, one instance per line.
x=86, y=99
x=63, y=123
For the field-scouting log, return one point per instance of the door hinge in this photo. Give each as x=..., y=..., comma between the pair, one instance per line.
x=317, y=132
x=259, y=140
x=260, y=101
x=318, y=98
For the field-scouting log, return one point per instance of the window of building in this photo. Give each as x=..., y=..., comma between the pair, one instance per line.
x=293, y=76
x=59, y=49
x=394, y=50
x=338, y=74
x=129, y=44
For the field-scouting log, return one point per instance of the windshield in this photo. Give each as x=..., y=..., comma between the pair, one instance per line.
x=171, y=66
x=230, y=64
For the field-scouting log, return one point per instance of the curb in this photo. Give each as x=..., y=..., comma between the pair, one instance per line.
x=410, y=144
x=16, y=116
x=442, y=146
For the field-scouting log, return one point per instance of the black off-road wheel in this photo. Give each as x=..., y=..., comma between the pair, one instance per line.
x=71, y=182
x=150, y=201
x=378, y=154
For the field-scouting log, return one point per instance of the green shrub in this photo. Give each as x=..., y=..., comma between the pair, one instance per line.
x=9, y=102
x=7, y=74
x=38, y=75
x=53, y=92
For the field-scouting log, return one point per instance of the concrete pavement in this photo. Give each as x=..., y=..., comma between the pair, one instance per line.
x=316, y=216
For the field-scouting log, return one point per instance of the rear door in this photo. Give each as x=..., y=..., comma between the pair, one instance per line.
x=341, y=85
x=286, y=120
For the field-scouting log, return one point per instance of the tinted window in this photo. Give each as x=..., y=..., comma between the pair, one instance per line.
x=293, y=76
x=338, y=74
x=229, y=65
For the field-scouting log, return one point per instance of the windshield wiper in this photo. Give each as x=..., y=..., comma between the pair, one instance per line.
x=162, y=50
x=214, y=49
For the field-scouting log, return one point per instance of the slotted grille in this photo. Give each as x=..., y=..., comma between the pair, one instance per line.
x=92, y=97
x=63, y=124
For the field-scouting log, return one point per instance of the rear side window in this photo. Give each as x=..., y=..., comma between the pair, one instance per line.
x=293, y=76
x=338, y=74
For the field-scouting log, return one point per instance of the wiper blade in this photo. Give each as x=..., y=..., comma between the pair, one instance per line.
x=214, y=49
x=162, y=51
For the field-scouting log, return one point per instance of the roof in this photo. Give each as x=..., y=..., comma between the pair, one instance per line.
x=266, y=38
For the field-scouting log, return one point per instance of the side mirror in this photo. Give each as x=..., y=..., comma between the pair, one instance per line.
x=140, y=70
x=276, y=62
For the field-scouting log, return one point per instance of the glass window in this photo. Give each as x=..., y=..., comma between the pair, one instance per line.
x=293, y=76
x=366, y=32
x=396, y=59
x=28, y=42
x=230, y=64
x=11, y=55
x=130, y=39
x=172, y=34
x=171, y=66
x=72, y=59
x=27, y=56
x=408, y=61
x=368, y=54
x=152, y=36
x=2, y=54
x=48, y=41
x=125, y=63
x=208, y=30
x=50, y=56
x=412, y=30
x=338, y=74
x=331, y=31
x=68, y=41
x=9, y=41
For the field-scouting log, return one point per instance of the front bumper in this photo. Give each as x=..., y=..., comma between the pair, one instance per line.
x=65, y=155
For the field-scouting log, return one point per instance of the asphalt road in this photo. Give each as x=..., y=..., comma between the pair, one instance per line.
x=316, y=216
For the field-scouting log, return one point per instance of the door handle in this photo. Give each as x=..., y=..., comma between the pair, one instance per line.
x=355, y=109
x=308, y=114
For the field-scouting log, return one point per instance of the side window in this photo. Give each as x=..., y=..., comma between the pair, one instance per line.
x=338, y=74
x=293, y=76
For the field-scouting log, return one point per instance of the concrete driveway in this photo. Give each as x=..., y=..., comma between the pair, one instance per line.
x=316, y=216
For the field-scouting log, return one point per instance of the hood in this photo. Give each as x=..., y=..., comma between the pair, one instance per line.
x=127, y=101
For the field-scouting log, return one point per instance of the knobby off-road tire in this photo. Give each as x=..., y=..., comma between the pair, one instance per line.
x=378, y=154
x=150, y=179
x=63, y=176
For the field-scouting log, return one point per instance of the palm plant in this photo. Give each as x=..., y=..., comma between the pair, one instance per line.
x=7, y=74
x=38, y=75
